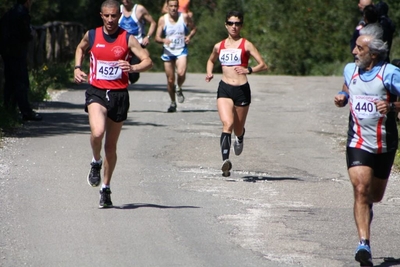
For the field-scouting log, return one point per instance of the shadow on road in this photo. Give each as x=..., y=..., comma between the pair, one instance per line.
x=61, y=123
x=388, y=261
x=148, y=87
x=146, y=205
x=254, y=179
x=61, y=118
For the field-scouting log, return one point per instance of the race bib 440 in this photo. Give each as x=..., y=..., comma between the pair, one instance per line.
x=364, y=106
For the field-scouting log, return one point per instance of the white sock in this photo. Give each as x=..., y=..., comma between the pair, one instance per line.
x=100, y=161
x=104, y=186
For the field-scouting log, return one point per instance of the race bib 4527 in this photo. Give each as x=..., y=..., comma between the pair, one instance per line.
x=108, y=70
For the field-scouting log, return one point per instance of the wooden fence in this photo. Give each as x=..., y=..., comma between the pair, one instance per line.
x=53, y=42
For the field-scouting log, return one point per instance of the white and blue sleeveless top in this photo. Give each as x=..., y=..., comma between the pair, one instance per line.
x=368, y=129
x=176, y=33
x=132, y=24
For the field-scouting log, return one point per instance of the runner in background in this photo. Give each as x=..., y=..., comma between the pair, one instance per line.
x=175, y=31
x=133, y=20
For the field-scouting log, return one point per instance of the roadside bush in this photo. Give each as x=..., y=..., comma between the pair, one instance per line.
x=56, y=76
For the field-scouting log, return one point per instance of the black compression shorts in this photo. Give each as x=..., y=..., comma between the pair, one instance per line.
x=381, y=164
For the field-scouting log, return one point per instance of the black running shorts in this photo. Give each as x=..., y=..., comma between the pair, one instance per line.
x=115, y=101
x=241, y=95
x=381, y=164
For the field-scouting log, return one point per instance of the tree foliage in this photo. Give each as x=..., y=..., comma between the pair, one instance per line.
x=296, y=37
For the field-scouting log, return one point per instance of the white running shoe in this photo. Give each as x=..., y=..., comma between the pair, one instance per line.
x=226, y=167
x=237, y=146
x=179, y=94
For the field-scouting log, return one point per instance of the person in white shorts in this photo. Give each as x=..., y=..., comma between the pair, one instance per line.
x=175, y=31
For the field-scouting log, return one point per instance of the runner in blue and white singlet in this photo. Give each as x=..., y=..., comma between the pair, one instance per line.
x=132, y=24
x=133, y=19
x=176, y=34
x=175, y=31
x=371, y=87
x=368, y=129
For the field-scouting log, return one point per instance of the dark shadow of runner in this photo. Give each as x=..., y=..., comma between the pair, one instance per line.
x=147, y=205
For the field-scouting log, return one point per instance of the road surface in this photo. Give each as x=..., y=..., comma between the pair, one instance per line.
x=287, y=203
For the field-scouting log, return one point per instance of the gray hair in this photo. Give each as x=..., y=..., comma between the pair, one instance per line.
x=376, y=44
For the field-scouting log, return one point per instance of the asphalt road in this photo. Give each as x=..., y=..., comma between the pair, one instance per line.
x=288, y=201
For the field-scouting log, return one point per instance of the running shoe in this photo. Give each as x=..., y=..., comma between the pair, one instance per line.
x=94, y=177
x=238, y=146
x=226, y=167
x=363, y=255
x=179, y=94
x=172, y=107
x=105, y=198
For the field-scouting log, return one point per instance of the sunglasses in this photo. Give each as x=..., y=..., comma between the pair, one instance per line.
x=236, y=23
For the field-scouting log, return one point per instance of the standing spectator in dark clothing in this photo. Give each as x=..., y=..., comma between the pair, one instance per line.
x=387, y=25
x=370, y=15
x=14, y=40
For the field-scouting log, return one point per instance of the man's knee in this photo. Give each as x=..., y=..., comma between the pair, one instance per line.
x=171, y=79
x=181, y=72
x=361, y=190
x=97, y=135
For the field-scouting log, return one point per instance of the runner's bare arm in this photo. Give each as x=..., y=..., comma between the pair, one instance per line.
x=79, y=75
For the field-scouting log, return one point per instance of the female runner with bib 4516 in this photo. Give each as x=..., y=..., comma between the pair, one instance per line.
x=234, y=95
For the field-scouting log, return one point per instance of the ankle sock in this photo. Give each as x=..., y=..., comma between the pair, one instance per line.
x=100, y=161
x=364, y=242
x=105, y=186
x=240, y=138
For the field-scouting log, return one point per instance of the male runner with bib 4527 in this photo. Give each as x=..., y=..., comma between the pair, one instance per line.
x=107, y=98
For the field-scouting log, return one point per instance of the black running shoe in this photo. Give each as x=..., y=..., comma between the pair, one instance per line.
x=94, y=177
x=105, y=198
x=172, y=107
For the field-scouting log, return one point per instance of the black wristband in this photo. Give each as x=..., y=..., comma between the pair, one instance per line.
x=78, y=67
x=250, y=70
